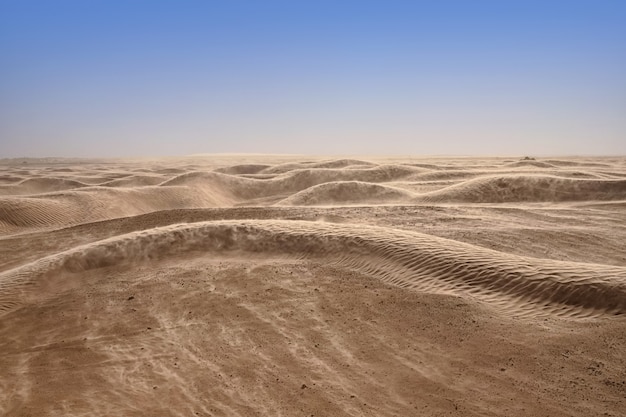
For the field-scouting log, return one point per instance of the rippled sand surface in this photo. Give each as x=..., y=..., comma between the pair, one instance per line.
x=254, y=285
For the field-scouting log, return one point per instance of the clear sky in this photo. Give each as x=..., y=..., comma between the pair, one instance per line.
x=472, y=77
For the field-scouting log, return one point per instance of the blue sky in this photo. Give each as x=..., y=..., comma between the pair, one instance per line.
x=148, y=78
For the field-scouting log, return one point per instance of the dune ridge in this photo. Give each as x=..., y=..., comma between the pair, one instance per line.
x=52, y=201
x=528, y=188
x=244, y=169
x=406, y=259
x=333, y=163
x=99, y=203
x=347, y=192
x=134, y=181
x=40, y=185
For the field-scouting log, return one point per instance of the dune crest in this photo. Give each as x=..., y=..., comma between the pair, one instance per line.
x=529, y=188
x=347, y=192
x=409, y=260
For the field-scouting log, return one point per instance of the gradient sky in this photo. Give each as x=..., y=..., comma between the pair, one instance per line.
x=473, y=77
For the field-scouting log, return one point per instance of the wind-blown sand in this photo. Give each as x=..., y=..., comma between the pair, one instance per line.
x=297, y=286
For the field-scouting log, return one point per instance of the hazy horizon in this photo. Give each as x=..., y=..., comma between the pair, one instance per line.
x=114, y=79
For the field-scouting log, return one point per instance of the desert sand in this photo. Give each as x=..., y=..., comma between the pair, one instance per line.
x=260, y=285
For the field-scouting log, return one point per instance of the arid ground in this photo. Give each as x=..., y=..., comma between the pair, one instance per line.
x=257, y=285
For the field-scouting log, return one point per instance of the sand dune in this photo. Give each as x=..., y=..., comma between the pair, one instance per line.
x=537, y=164
x=290, y=182
x=93, y=204
x=274, y=285
x=409, y=260
x=40, y=186
x=342, y=163
x=10, y=179
x=136, y=194
x=330, y=164
x=347, y=192
x=134, y=181
x=243, y=169
x=527, y=188
x=571, y=163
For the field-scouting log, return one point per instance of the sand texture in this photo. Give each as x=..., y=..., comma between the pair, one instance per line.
x=260, y=285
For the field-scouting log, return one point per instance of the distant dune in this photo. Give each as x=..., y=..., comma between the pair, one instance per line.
x=347, y=192
x=527, y=188
x=40, y=186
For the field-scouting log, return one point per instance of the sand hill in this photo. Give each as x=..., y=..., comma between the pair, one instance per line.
x=275, y=285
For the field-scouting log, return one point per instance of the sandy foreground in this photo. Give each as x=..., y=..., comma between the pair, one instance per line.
x=257, y=285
